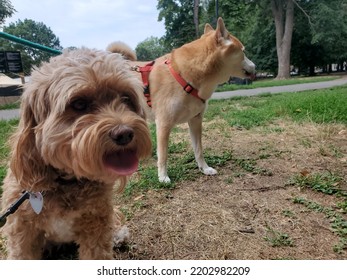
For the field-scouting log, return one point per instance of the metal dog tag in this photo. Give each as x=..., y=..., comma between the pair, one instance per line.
x=36, y=202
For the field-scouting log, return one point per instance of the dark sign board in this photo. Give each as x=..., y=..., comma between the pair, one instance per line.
x=10, y=61
x=2, y=62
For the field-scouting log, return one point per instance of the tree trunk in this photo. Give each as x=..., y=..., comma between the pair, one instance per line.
x=283, y=13
x=196, y=18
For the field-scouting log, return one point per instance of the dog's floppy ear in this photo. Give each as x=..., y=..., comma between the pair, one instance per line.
x=26, y=162
x=221, y=31
x=208, y=28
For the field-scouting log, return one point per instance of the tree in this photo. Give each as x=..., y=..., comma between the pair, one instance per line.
x=329, y=29
x=36, y=32
x=274, y=32
x=178, y=20
x=6, y=10
x=259, y=38
x=150, y=49
x=196, y=18
x=283, y=13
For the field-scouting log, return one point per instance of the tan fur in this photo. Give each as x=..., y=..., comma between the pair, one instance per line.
x=123, y=49
x=204, y=63
x=59, y=150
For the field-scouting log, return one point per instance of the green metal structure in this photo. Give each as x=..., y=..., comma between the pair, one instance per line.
x=29, y=43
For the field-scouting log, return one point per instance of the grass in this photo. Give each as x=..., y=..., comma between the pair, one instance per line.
x=326, y=182
x=337, y=222
x=273, y=82
x=278, y=239
x=6, y=127
x=181, y=168
x=330, y=184
x=320, y=106
x=10, y=106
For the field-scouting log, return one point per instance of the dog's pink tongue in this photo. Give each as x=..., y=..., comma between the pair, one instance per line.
x=122, y=162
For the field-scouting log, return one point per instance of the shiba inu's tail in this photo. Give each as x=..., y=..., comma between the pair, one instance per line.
x=123, y=49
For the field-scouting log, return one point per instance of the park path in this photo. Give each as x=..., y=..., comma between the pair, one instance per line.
x=278, y=89
x=10, y=114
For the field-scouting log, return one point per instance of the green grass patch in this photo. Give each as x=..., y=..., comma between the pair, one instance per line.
x=320, y=106
x=274, y=82
x=3, y=170
x=10, y=106
x=250, y=165
x=6, y=127
x=337, y=222
x=326, y=182
x=278, y=239
x=330, y=184
x=181, y=167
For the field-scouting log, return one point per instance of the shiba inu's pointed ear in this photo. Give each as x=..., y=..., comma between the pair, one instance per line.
x=221, y=31
x=208, y=28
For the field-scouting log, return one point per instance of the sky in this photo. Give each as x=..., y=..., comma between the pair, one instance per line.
x=93, y=23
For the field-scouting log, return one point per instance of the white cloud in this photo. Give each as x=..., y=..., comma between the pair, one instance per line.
x=93, y=23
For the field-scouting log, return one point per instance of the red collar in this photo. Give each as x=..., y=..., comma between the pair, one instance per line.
x=188, y=88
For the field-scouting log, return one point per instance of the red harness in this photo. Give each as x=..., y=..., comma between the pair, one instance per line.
x=145, y=70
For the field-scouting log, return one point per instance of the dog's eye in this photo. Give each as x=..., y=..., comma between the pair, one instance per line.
x=129, y=102
x=80, y=105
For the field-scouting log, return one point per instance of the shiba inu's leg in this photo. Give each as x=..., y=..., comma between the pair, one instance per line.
x=195, y=129
x=163, y=133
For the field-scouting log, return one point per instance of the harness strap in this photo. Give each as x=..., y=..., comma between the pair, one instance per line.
x=187, y=87
x=145, y=70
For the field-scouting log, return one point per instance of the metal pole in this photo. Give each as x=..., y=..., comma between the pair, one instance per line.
x=28, y=43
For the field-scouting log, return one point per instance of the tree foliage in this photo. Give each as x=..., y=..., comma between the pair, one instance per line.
x=319, y=29
x=178, y=19
x=6, y=10
x=36, y=32
x=150, y=49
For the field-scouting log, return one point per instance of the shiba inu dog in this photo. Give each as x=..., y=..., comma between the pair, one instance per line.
x=179, y=84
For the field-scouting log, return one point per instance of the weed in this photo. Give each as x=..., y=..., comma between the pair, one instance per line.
x=327, y=183
x=278, y=239
x=229, y=180
x=264, y=156
x=306, y=143
x=336, y=151
x=249, y=165
x=288, y=213
x=342, y=205
x=337, y=222
x=181, y=168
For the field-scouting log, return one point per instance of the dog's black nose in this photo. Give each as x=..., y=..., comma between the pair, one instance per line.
x=122, y=135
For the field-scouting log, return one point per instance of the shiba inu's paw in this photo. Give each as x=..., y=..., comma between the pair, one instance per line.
x=209, y=171
x=164, y=179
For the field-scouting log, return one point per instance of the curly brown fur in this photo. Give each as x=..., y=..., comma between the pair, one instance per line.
x=82, y=130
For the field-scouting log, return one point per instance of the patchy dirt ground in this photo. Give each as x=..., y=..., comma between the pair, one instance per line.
x=247, y=211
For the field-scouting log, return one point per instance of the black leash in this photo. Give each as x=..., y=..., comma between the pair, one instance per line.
x=13, y=208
